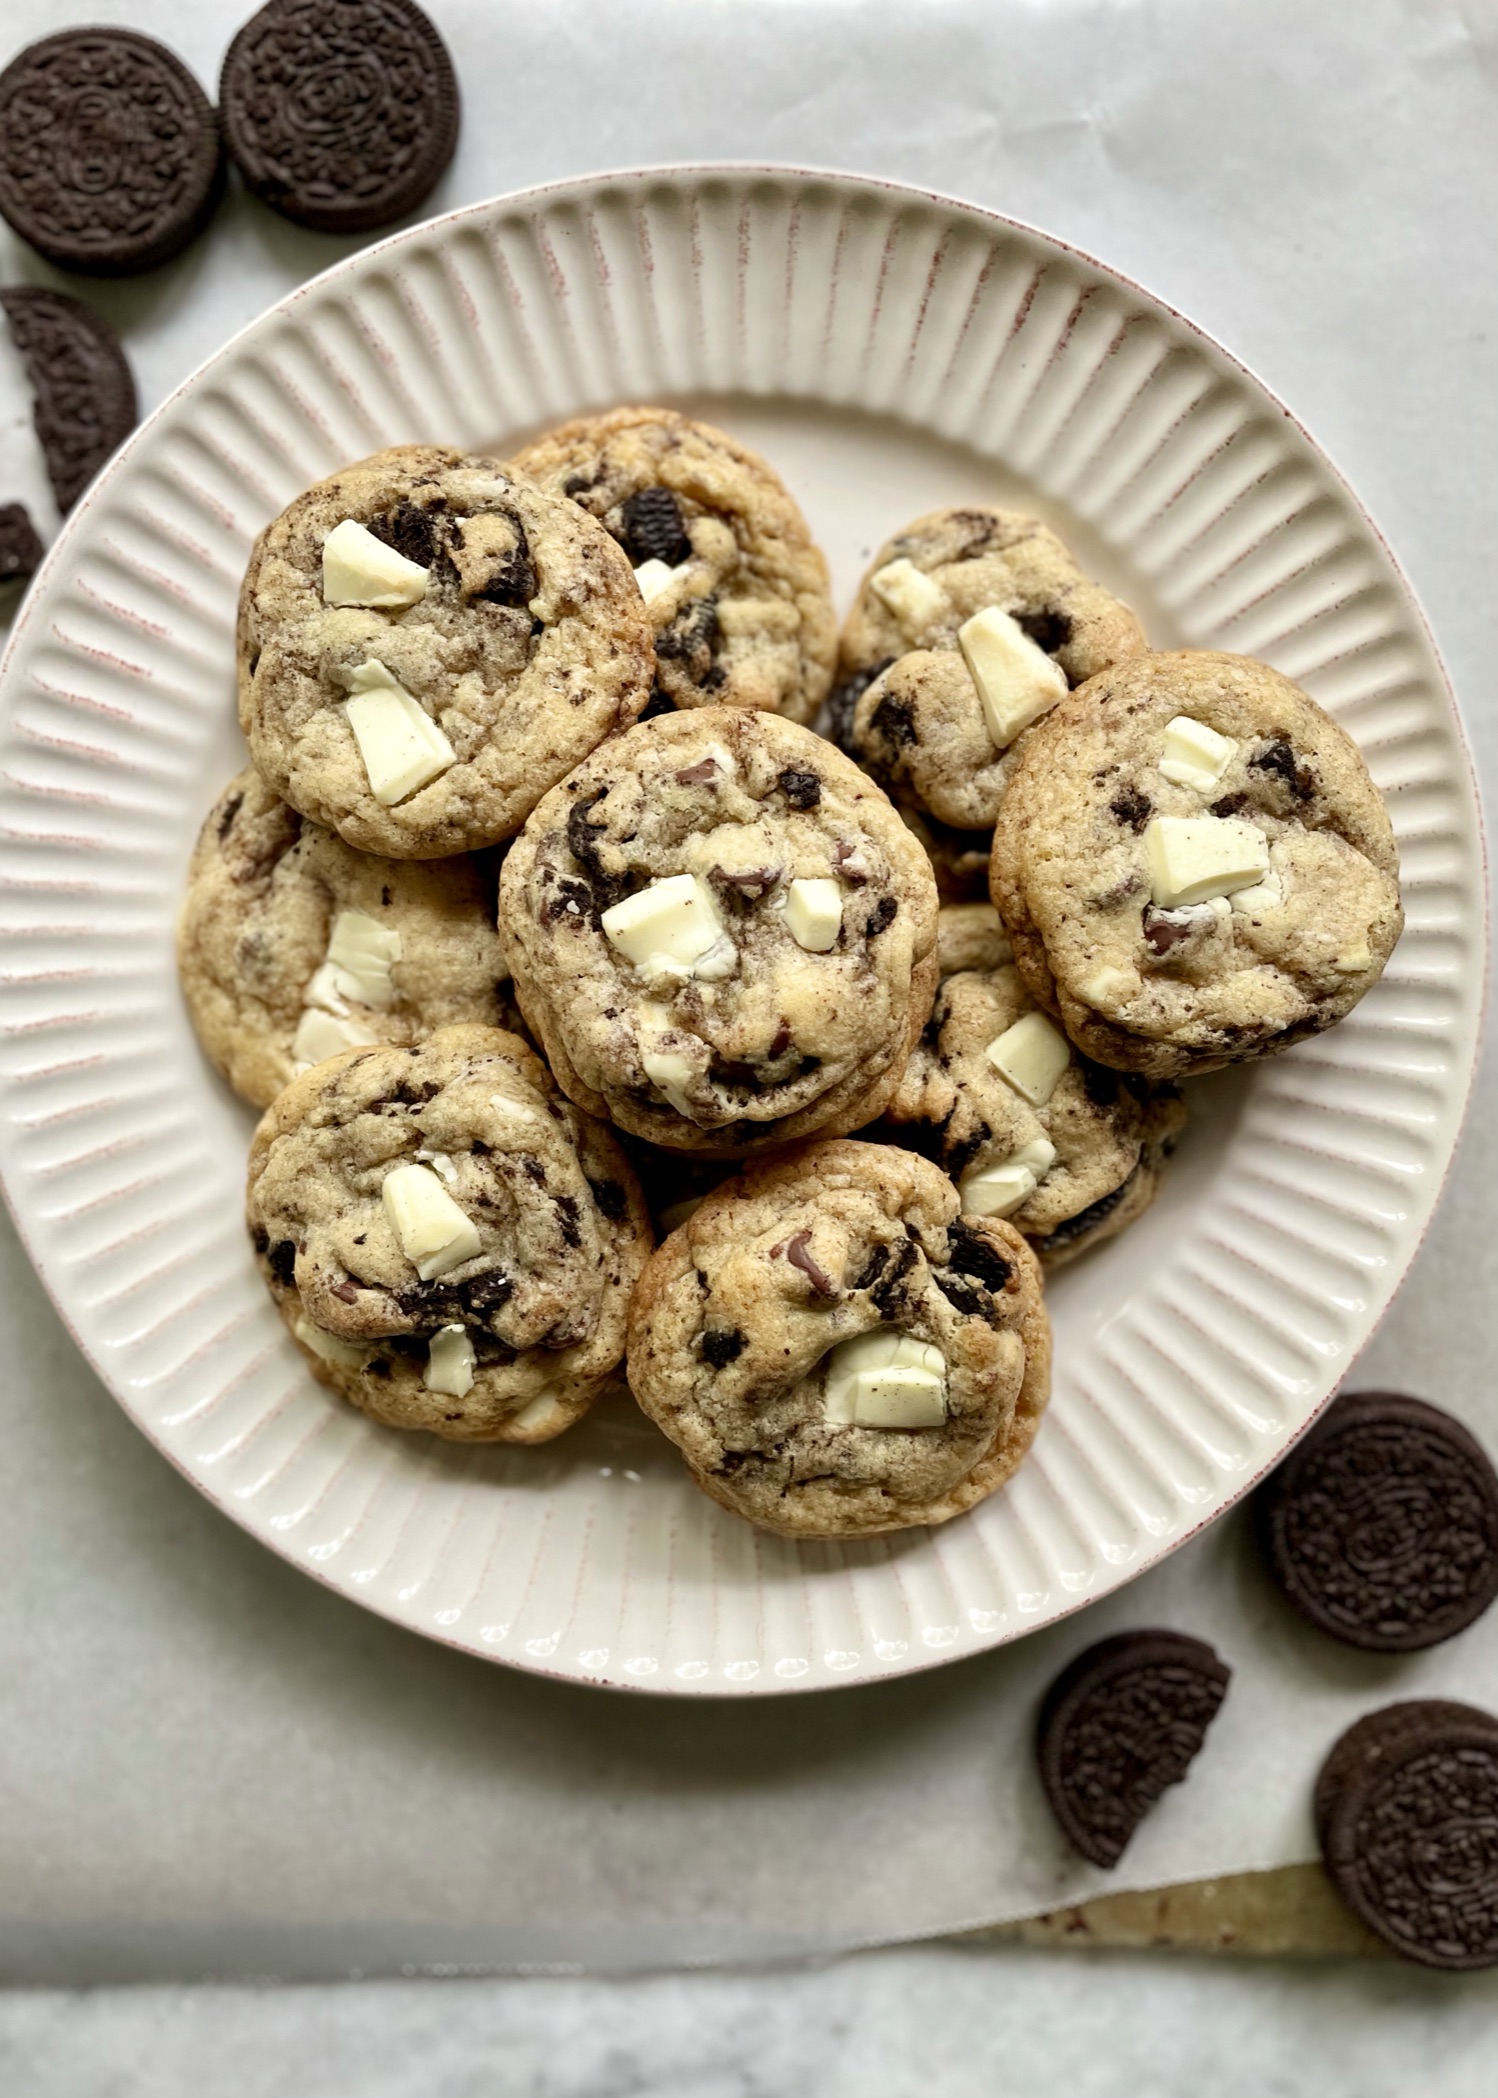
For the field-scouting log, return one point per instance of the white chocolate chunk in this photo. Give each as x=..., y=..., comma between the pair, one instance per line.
x=886, y=1380
x=673, y=1073
x=1193, y=858
x=655, y=578
x=450, y=1363
x=442, y=1163
x=1031, y=1056
x=666, y=927
x=1265, y=895
x=814, y=913
x=361, y=954
x=434, y=1233
x=358, y=569
x=1017, y=681
x=1195, y=755
x=1001, y=1189
x=540, y=1413
x=320, y=1034
x=1353, y=960
x=1109, y=986
x=911, y=595
x=329, y=1346
x=402, y=748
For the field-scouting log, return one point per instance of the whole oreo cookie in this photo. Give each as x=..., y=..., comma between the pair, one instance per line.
x=110, y=159
x=1407, y=1816
x=340, y=114
x=1119, y=1724
x=85, y=396
x=1382, y=1525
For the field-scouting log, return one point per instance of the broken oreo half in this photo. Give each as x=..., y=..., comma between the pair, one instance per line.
x=1124, y=1720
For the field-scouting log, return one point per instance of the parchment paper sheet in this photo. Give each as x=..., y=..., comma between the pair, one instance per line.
x=208, y=1764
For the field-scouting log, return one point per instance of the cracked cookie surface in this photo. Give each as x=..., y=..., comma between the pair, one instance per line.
x=267, y=892
x=742, y=616
x=737, y=1318
x=525, y=644
x=547, y=1236
x=803, y=912
x=1109, y=1133
x=1179, y=923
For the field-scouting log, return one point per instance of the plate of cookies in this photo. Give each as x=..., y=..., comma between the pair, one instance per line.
x=743, y=929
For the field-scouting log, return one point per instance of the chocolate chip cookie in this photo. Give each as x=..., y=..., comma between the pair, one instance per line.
x=427, y=642
x=735, y=588
x=1194, y=865
x=451, y=1243
x=721, y=933
x=1069, y=1151
x=969, y=626
x=292, y=946
x=837, y=1352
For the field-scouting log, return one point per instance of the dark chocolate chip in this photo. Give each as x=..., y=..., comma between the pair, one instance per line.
x=881, y=917
x=780, y=1041
x=1407, y=1816
x=1382, y=1525
x=702, y=774
x=1280, y=761
x=722, y=1345
x=1165, y=930
x=803, y=790
x=1086, y=1220
x=411, y=530
x=1124, y=1720
x=110, y=159
x=341, y=117
x=691, y=639
x=971, y=1251
x=1229, y=804
x=1048, y=629
x=798, y=1252
x=611, y=1198
x=20, y=548
x=893, y=721
x=1131, y=808
x=512, y=578
x=843, y=704
x=84, y=403
x=652, y=528
x=282, y=1257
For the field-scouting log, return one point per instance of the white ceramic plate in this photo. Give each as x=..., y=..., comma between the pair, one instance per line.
x=889, y=351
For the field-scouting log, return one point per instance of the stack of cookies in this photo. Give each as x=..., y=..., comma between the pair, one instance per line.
x=546, y=926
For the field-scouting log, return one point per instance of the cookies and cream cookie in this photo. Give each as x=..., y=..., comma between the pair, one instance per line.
x=970, y=936
x=721, y=933
x=969, y=627
x=1069, y=1151
x=427, y=642
x=1194, y=865
x=292, y=946
x=835, y=1350
x=735, y=589
x=451, y=1243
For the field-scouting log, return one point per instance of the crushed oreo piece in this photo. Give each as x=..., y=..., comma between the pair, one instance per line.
x=653, y=528
x=20, y=547
x=1131, y=808
x=803, y=790
x=720, y=1345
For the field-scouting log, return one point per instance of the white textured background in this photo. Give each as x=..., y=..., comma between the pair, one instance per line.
x=1317, y=186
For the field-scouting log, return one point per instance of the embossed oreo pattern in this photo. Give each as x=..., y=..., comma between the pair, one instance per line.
x=1126, y=1719
x=84, y=392
x=340, y=114
x=1407, y=1808
x=1382, y=1526
x=1189, y=1355
x=110, y=158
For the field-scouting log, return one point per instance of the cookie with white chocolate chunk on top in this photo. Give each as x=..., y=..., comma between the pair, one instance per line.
x=722, y=934
x=427, y=642
x=735, y=588
x=835, y=1350
x=1027, y=1127
x=1194, y=865
x=292, y=946
x=970, y=625
x=451, y=1244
